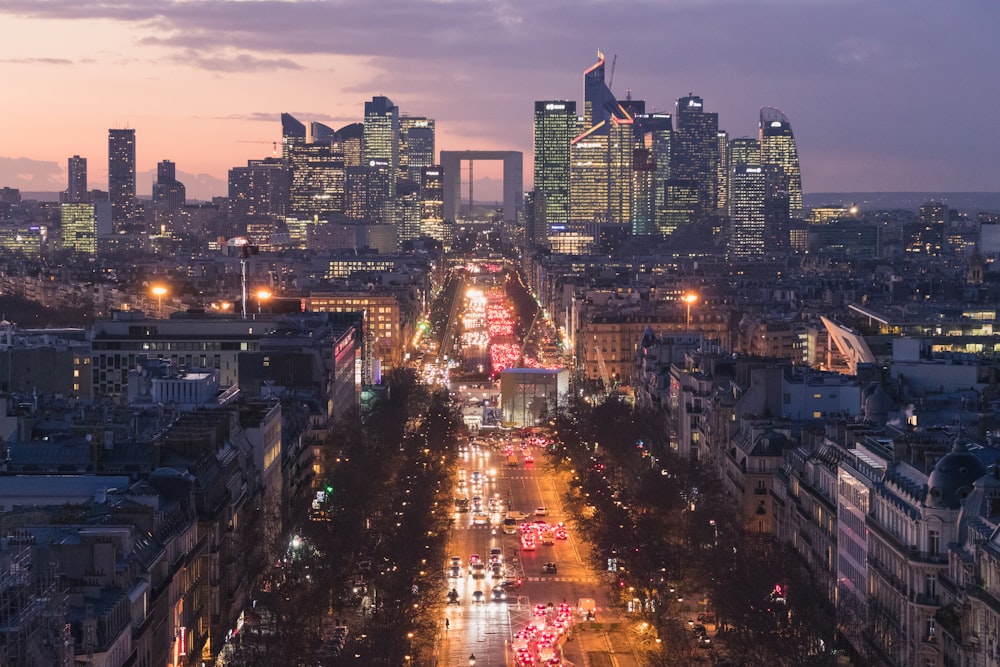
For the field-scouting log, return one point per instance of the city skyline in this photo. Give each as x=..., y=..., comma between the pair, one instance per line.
x=204, y=84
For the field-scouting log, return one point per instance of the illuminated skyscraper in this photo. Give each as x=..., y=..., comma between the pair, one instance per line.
x=555, y=127
x=777, y=146
x=121, y=175
x=432, y=205
x=696, y=152
x=257, y=192
x=351, y=137
x=741, y=150
x=317, y=177
x=293, y=133
x=601, y=155
x=76, y=191
x=657, y=135
x=722, y=138
x=381, y=148
x=746, y=211
x=416, y=147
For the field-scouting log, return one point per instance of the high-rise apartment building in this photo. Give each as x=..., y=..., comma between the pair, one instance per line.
x=416, y=146
x=257, y=192
x=554, y=129
x=121, y=175
x=696, y=154
x=76, y=190
x=777, y=146
x=380, y=148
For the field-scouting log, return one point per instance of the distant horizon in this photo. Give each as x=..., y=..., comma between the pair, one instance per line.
x=990, y=200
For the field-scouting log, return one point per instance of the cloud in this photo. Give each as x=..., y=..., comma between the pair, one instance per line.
x=25, y=173
x=36, y=61
x=241, y=62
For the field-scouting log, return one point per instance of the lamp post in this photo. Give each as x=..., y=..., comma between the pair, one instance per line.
x=472, y=660
x=689, y=298
x=158, y=291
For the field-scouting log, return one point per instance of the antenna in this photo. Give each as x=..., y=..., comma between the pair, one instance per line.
x=614, y=61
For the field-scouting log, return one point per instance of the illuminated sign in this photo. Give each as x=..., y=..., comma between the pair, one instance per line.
x=182, y=641
x=775, y=123
x=753, y=170
x=694, y=103
x=555, y=107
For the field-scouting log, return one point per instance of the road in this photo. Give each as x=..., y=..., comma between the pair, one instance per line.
x=486, y=630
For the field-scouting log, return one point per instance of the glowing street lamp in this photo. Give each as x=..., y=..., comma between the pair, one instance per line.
x=689, y=298
x=262, y=296
x=158, y=291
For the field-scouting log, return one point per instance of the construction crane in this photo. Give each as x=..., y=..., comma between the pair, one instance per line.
x=274, y=144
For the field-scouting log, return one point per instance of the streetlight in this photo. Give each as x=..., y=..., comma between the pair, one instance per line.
x=472, y=660
x=689, y=298
x=158, y=291
x=262, y=296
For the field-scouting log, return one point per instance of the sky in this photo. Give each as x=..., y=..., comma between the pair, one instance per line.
x=882, y=95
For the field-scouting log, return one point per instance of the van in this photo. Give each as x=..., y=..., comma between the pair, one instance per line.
x=512, y=460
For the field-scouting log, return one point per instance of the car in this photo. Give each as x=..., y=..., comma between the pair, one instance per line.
x=478, y=597
x=541, y=511
x=499, y=594
x=478, y=570
x=548, y=538
x=481, y=519
x=528, y=458
x=453, y=597
x=549, y=568
x=511, y=584
x=561, y=533
x=455, y=571
x=496, y=555
x=497, y=570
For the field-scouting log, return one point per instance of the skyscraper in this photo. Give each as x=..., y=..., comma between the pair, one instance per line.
x=169, y=194
x=657, y=135
x=777, y=146
x=416, y=146
x=257, y=192
x=380, y=147
x=121, y=175
x=696, y=154
x=76, y=191
x=741, y=150
x=432, y=205
x=746, y=211
x=601, y=155
x=317, y=179
x=554, y=129
x=293, y=133
x=722, y=171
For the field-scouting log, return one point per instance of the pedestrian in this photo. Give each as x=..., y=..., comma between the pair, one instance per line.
x=447, y=624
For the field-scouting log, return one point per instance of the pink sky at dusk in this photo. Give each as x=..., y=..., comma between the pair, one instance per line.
x=890, y=96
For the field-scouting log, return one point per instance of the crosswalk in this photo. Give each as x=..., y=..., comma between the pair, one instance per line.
x=574, y=580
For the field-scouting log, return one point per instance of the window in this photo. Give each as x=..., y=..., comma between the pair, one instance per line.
x=933, y=542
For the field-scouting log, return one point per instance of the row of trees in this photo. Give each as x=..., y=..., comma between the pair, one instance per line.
x=671, y=530
x=374, y=564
